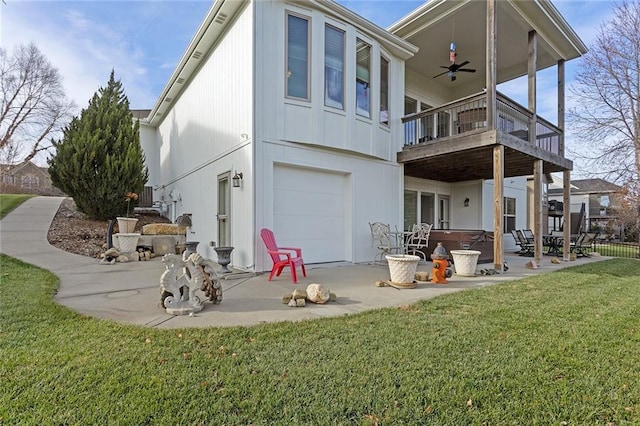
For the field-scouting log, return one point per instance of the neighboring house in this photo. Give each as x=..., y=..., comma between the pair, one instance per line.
x=27, y=178
x=303, y=117
x=595, y=201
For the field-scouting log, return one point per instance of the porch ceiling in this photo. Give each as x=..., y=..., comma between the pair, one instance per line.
x=471, y=158
x=438, y=23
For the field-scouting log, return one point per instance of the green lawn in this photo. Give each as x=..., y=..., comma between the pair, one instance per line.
x=553, y=348
x=9, y=202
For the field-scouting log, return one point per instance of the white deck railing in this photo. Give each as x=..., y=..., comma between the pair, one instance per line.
x=467, y=114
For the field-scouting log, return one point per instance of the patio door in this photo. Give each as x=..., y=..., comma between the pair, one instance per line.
x=443, y=212
x=223, y=216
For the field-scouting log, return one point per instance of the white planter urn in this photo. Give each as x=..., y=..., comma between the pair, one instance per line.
x=126, y=225
x=127, y=243
x=465, y=262
x=402, y=268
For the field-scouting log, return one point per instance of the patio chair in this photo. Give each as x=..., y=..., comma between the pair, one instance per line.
x=527, y=247
x=282, y=256
x=381, y=239
x=528, y=234
x=583, y=243
x=521, y=249
x=418, y=240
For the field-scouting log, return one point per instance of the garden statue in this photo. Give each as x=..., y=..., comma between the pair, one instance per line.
x=182, y=278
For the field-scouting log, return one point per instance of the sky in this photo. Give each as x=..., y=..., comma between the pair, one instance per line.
x=143, y=41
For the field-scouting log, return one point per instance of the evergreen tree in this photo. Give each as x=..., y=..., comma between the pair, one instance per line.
x=99, y=159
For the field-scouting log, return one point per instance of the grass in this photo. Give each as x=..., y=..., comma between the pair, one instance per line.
x=8, y=202
x=559, y=347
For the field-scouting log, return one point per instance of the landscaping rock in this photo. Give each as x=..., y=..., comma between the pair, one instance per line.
x=163, y=229
x=333, y=297
x=422, y=276
x=316, y=293
x=301, y=303
x=112, y=252
x=299, y=294
x=380, y=283
x=164, y=245
x=532, y=264
x=555, y=260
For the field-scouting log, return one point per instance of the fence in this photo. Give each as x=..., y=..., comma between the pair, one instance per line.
x=617, y=249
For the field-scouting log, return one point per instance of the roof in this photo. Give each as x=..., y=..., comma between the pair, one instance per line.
x=589, y=186
x=436, y=23
x=221, y=15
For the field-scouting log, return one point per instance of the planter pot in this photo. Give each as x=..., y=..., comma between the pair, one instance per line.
x=402, y=268
x=224, y=258
x=126, y=225
x=127, y=243
x=465, y=262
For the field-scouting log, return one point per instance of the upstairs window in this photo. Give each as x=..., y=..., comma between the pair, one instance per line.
x=363, y=78
x=333, y=67
x=297, y=78
x=384, y=91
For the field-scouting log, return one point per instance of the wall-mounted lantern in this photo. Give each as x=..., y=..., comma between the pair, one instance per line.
x=236, y=179
x=466, y=202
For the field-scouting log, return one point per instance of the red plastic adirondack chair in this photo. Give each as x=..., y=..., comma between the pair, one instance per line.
x=282, y=256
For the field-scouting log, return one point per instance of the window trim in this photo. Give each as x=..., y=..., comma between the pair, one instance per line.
x=289, y=13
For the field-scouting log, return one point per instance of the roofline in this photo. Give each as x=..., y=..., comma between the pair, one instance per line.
x=410, y=24
x=216, y=6
x=399, y=46
x=391, y=42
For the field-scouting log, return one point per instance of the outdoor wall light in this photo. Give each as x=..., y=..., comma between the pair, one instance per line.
x=466, y=202
x=236, y=179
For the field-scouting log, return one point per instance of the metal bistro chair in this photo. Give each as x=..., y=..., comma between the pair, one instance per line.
x=418, y=240
x=381, y=239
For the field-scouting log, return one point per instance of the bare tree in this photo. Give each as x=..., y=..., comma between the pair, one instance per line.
x=33, y=104
x=606, y=115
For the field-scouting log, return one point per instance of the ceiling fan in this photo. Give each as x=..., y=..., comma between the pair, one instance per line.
x=452, y=69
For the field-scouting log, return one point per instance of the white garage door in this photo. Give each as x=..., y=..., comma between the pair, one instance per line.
x=309, y=210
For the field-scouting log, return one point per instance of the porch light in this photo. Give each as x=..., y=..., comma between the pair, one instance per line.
x=466, y=202
x=236, y=179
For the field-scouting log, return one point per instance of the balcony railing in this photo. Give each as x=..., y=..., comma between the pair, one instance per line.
x=470, y=114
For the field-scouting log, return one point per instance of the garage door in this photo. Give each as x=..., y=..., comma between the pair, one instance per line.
x=309, y=212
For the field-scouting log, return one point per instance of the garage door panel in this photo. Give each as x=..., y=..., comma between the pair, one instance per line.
x=301, y=203
x=309, y=208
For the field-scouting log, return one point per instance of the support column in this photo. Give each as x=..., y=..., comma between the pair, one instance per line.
x=538, y=229
x=492, y=69
x=498, y=207
x=566, y=214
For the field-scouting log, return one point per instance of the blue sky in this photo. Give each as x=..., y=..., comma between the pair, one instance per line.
x=144, y=40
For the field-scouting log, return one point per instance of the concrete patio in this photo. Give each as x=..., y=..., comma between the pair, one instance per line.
x=129, y=292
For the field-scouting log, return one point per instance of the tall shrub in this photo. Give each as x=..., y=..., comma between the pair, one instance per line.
x=99, y=158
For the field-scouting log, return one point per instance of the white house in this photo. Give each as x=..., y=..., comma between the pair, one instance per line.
x=329, y=122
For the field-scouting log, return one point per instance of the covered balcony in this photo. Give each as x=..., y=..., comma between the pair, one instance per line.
x=453, y=142
x=475, y=132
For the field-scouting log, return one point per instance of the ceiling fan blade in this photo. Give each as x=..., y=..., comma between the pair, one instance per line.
x=463, y=64
x=466, y=70
x=446, y=72
x=446, y=68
